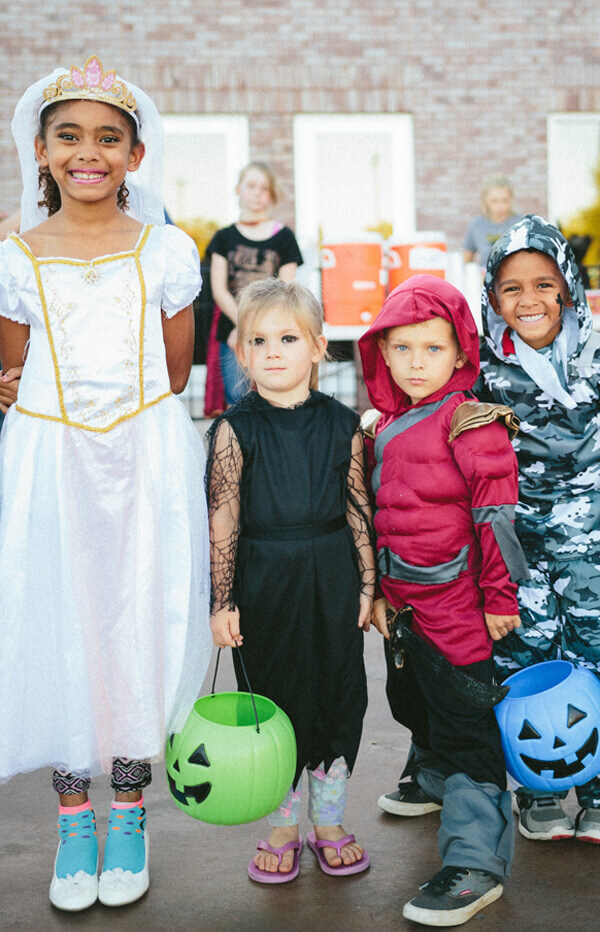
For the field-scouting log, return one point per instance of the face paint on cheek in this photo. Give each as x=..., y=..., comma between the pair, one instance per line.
x=560, y=303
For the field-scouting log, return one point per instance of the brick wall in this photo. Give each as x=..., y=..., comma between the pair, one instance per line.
x=479, y=77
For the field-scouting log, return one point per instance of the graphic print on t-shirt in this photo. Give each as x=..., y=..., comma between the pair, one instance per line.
x=250, y=264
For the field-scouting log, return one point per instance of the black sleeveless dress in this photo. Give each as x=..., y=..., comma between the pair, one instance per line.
x=294, y=573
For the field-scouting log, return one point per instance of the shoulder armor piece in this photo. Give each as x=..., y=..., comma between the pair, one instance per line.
x=472, y=414
x=369, y=422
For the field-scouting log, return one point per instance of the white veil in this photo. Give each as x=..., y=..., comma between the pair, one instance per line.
x=145, y=185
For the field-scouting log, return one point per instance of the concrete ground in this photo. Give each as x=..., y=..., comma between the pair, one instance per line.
x=199, y=880
x=199, y=875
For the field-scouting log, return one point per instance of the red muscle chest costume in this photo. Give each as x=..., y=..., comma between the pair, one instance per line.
x=436, y=498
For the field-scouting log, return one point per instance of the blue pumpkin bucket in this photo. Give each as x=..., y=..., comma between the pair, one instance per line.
x=549, y=724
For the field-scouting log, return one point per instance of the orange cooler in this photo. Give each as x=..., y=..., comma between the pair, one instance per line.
x=352, y=282
x=425, y=254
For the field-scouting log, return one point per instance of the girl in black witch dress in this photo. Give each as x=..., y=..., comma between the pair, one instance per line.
x=293, y=568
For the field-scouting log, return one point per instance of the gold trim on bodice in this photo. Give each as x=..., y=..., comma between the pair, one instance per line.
x=96, y=430
x=91, y=265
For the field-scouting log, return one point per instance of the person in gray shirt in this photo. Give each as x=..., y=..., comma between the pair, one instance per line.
x=497, y=217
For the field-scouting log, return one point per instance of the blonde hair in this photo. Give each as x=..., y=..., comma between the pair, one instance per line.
x=274, y=187
x=491, y=182
x=258, y=298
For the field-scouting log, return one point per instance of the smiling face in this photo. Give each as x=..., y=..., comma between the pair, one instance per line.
x=187, y=774
x=560, y=764
x=529, y=294
x=422, y=357
x=88, y=149
x=279, y=356
x=550, y=726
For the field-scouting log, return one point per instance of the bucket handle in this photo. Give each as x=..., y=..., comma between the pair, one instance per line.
x=212, y=691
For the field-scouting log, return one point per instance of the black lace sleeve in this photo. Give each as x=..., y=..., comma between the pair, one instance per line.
x=358, y=513
x=223, y=476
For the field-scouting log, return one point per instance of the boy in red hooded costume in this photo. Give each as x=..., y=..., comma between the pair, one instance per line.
x=445, y=485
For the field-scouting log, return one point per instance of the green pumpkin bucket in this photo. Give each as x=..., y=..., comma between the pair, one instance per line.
x=234, y=760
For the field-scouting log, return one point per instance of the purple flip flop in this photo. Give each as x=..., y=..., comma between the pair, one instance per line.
x=344, y=869
x=261, y=876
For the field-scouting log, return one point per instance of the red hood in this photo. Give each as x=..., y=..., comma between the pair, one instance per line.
x=419, y=298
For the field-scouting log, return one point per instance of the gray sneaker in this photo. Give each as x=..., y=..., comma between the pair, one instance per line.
x=452, y=897
x=408, y=800
x=543, y=819
x=587, y=826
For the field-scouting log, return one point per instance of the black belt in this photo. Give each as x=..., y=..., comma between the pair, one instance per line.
x=300, y=532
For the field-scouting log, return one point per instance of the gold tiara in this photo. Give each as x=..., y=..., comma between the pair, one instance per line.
x=91, y=83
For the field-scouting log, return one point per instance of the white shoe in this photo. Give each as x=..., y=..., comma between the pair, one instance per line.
x=73, y=893
x=118, y=887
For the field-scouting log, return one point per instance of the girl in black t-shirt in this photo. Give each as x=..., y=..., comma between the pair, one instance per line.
x=254, y=248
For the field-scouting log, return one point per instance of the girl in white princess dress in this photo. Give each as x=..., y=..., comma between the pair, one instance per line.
x=104, y=590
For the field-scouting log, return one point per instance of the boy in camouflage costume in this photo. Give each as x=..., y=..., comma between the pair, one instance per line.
x=542, y=358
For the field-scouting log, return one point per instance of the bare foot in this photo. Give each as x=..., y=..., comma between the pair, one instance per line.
x=265, y=861
x=350, y=854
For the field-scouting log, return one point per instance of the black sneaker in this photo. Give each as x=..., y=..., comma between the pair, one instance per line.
x=452, y=897
x=408, y=800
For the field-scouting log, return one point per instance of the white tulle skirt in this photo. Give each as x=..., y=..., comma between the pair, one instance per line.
x=104, y=588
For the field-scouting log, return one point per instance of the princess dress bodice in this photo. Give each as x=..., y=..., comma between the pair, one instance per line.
x=96, y=355
x=103, y=531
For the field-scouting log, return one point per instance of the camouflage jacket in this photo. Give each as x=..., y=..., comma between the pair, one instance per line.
x=558, y=448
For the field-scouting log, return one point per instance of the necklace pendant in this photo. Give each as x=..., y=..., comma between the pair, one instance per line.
x=91, y=274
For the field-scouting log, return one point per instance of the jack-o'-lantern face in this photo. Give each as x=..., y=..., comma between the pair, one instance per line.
x=186, y=774
x=573, y=754
x=551, y=738
x=233, y=761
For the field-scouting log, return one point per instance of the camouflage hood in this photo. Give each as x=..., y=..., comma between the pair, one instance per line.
x=558, y=515
x=534, y=232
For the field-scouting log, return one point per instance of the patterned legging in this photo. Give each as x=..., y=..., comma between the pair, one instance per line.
x=326, y=797
x=128, y=776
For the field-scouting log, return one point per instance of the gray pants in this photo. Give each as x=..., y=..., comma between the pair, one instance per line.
x=476, y=828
